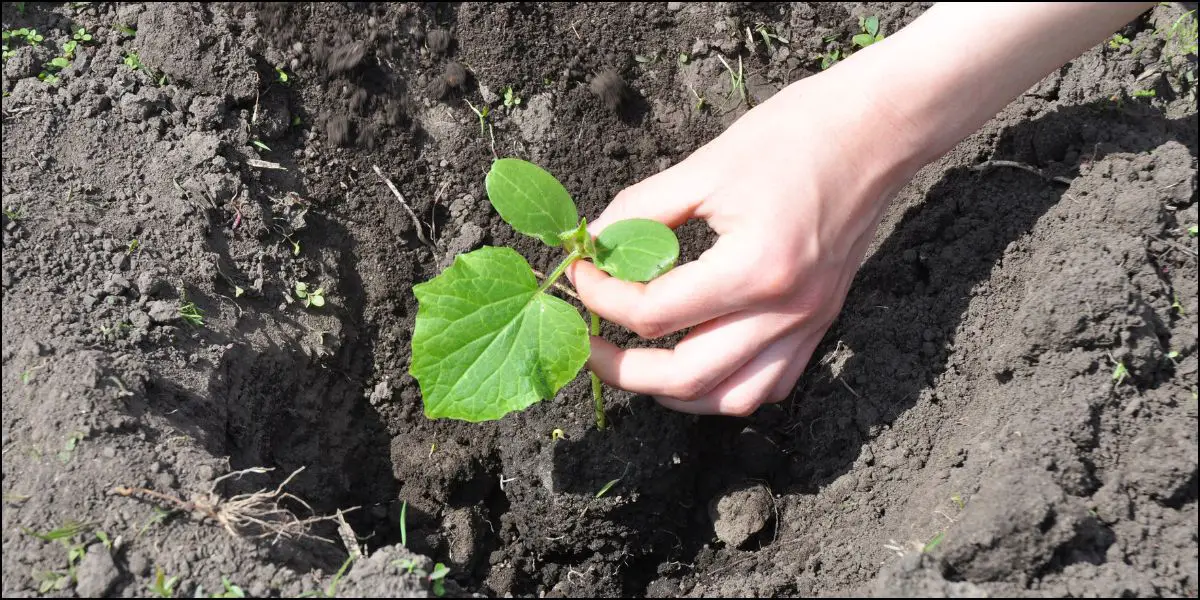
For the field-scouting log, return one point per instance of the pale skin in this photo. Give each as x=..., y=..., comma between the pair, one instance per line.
x=795, y=190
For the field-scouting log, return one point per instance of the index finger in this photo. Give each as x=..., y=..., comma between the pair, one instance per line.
x=712, y=286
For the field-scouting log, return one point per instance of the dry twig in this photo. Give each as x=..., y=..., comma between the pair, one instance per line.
x=404, y=203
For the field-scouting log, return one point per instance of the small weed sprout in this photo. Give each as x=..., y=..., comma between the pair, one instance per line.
x=869, y=27
x=608, y=486
x=281, y=75
x=230, y=591
x=311, y=298
x=767, y=35
x=133, y=62
x=1117, y=40
x=1191, y=230
x=72, y=535
x=192, y=314
x=932, y=544
x=511, y=99
x=15, y=215
x=737, y=81
x=482, y=114
x=331, y=590
x=1144, y=94
x=437, y=579
x=163, y=586
x=1120, y=372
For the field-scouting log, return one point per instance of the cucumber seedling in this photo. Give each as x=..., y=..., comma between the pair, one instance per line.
x=488, y=339
x=870, y=32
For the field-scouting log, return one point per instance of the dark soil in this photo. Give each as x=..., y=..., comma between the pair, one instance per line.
x=1006, y=405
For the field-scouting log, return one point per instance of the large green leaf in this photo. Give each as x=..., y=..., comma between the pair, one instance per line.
x=531, y=200
x=488, y=342
x=636, y=249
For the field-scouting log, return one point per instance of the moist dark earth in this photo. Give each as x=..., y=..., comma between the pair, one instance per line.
x=1005, y=406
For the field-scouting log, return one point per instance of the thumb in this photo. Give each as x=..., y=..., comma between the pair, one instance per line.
x=670, y=197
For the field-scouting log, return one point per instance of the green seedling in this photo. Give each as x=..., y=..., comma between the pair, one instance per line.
x=192, y=314
x=31, y=36
x=934, y=543
x=699, y=99
x=869, y=27
x=163, y=586
x=311, y=298
x=404, y=524
x=684, y=58
x=488, y=338
x=64, y=455
x=132, y=61
x=1144, y=94
x=558, y=434
x=134, y=244
x=830, y=58
x=104, y=539
x=768, y=35
x=511, y=98
x=608, y=486
x=1120, y=372
x=282, y=75
x=331, y=590
x=260, y=145
x=482, y=114
x=230, y=591
x=437, y=579
x=18, y=214
x=1191, y=230
x=737, y=81
x=958, y=501
x=1177, y=305
x=1117, y=40
x=73, y=537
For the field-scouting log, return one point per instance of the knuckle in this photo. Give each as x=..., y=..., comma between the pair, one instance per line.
x=689, y=386
x=774, y=282
x=647, y=325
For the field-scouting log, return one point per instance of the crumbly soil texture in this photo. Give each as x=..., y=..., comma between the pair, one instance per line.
x=1005, y=406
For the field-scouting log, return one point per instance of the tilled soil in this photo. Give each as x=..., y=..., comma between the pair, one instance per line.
x=1006, y=405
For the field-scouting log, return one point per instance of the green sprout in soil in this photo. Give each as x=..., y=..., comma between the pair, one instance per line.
x=260, y=145
x=737, y=81
x=134, y=244
x=488, y=338
x=699, y=99
x=404, y=524
x=1144, y=93
x=608, y=486
x=163, y=586
x=830, y=58
x=192, y=314
x=1120, y=372
x=64, y=455
x=482, y=114
x=132, y=61
x=557, y=434
x=870, y=32
x=230, y=591
x=15, y=215
x=282, y=75
x=74, y=539
x=511, y=98
x=934, y=543
x=1117, y=40
x=768, y=35
x=1191, y=230
x=437, y=579
x=331, y=590
x=311, y=298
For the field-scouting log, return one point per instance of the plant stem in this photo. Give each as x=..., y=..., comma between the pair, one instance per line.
x=597, y=387
x=558, y=271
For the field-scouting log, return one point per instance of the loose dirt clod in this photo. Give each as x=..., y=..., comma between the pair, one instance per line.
x=611, y=89
x=739, y=514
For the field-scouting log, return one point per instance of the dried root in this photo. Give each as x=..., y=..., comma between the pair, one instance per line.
x=257, y=515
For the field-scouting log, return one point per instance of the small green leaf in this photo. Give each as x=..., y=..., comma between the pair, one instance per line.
x=260, y=145
x=608, y=486
x=531, y=200
x=488, y=341
x=301, y=289
x=318, y=298
x=934, y=543
x=863, y=40
x=1192, y=231
x=636, y=249
x=871, y=25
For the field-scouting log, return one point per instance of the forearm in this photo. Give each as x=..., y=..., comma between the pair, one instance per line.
x=958, y=65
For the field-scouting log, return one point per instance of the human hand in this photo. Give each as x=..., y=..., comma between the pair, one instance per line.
x=794, y=190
